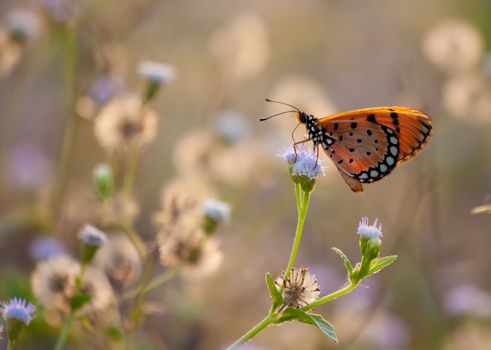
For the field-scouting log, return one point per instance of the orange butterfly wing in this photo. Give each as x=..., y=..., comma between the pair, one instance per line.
x=370, y=142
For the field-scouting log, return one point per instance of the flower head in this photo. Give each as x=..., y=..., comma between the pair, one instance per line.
x=124, y=123
x=53, y=281
x=300, y=288
x=119, y=259
x=23, y=24
x=156, y=72
x=231, y=127
x=369, y=231
x=19, y=309
x=45, y=247
x=216, y=210
x=303, y=162
x=92, y=236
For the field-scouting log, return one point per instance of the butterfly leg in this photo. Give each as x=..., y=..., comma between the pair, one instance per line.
x=295, y=147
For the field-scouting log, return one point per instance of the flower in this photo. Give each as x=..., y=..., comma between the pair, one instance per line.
x=124, y=123
x=369, y=231
x=303, y=162
x=53, y=281
x=179, y=243
x=204, y=260
x=92, y=236
x=103, y=180
x=53, y=284
x=468, y=299
x=217, y=210
x=300, y=288
x=156, y=72
x=43, y=248
x=19, y=309
x=28, y=166
x=454, y=45
x=119, y=259
x=23, y=25
x=231, y=127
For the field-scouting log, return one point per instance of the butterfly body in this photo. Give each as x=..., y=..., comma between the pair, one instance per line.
x=367, y=144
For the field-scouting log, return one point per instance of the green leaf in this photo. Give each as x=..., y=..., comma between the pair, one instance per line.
x=378, y=264
x=273, y=291
x=79, y=300
x=346, y=261
x=291, y=314
x=325, y=327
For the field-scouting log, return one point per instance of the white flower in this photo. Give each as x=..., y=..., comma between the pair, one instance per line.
x=19, y=309
x=217, y=210
x=369, y=231
x=300, y=288
x=303, y=162
x=155, y=72
x=92, y=236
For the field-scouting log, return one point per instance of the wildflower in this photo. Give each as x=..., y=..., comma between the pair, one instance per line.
x=92, y=239
x=304, y=166
x=242, y=46
x=124, y=123
x=28, y=166
x=204, y=260
x=468, y=97
x=369, y=231
x=96, y=285
x=119, y=259
x=157, y=73
x=43, y=248
x=215, y=212
x=231, y=127
x=105, y=87
x=454, y=45
x=104, y=182
x=54, y=285
x=370, y=243
x=468, y=299
x=63, y=12
x=53, y=282
x=17, y=313
x=23, y=25
x=300, y=288
x=179, y=243
x=18, y=309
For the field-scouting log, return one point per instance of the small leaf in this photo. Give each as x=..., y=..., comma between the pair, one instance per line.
x=273, y=291
x=79, y=300
x=378, y=264
x=346, y=261
x=291, y=314
x=325, y=327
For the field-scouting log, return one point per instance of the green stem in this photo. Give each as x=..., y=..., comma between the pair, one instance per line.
x=71, y=127
x=156, y=282
x=298, y=195
x=134, y=238
x=329, y=297
x=64, y=332
x=130, y=173
x=302, y=213
x=10, y=345
x=252, y=332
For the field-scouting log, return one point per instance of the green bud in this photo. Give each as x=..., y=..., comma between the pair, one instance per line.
x=151, y=91
x=104, y=181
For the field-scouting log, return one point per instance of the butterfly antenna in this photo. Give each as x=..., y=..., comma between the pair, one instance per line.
x=274, y=115
x=283, y=103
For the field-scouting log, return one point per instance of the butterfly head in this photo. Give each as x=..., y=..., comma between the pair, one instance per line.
x=302, y=117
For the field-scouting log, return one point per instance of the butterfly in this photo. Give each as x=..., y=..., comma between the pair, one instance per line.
x=366, y=144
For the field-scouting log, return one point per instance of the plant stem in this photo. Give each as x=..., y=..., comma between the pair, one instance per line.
x=10, y=345
x=298, y=195
x=156, y=282
x=252, y=332
x=302, y=213
x=130, y=172
x=329, y=297
x=71, y=127
x=64, y=332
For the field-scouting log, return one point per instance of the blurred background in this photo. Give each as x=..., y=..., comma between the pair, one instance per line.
x=62, y=62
